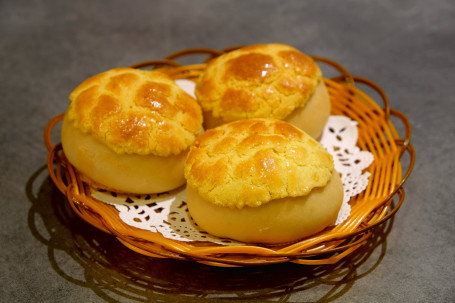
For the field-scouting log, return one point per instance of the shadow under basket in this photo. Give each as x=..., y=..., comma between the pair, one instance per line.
x=380, y=201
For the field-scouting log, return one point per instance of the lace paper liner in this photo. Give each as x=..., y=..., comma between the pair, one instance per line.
x=167, y=213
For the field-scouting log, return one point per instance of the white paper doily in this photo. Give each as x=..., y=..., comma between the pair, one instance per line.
x=340, y=140
x=167, y=213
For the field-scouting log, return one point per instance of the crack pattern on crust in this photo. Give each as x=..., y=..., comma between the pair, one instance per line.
x=251, y=162
x=258, y=81
x=136, y=111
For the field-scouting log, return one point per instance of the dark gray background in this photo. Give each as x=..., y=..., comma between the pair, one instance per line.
x=48, y=47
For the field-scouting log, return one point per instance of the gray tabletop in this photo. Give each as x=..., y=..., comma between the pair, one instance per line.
x=48, y=254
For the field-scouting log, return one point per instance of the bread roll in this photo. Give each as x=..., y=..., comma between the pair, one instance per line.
x=264, y=81
x=129, y=130
x=261, y=181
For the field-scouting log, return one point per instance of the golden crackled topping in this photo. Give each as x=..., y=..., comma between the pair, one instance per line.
x=257, y=81
x=251, y=162
x=136, y=112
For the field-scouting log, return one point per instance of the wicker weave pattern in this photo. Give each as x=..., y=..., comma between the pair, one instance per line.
x=378, y=203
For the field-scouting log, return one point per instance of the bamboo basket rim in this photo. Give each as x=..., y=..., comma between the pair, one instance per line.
x=378, y=203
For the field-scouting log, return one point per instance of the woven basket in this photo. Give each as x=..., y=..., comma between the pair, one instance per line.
x=379, y=202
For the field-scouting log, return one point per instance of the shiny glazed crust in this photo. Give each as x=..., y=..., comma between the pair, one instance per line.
x=258, y=81
x=135, y=111
x=251, y=162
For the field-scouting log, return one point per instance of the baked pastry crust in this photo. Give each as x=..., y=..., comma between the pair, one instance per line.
x=129, y=131
x=254, y=161
x=136, y=111
x=257, y=81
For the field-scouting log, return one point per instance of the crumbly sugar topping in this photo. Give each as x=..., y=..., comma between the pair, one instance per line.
x=258, y=81
x=136, y=112
x=251, y=162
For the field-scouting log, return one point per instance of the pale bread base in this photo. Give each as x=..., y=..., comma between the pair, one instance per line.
x=125, y=173
x=314, y=115
x=279, y=221
x=310, y=118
